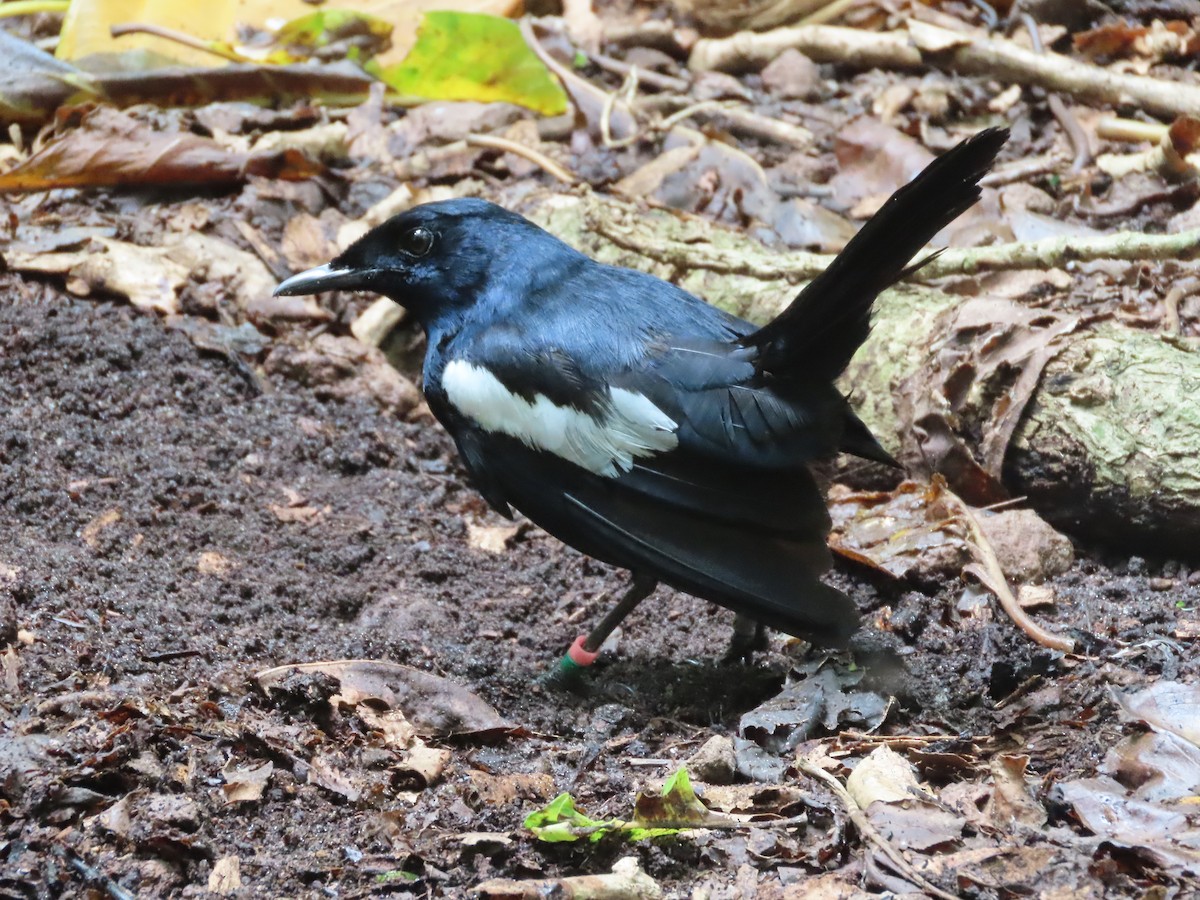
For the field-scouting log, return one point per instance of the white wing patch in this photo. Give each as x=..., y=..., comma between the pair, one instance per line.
x=629, y=425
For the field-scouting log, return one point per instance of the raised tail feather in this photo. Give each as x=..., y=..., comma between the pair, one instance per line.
x=828, y=321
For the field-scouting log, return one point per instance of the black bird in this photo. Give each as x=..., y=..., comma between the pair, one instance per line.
x=634, y=421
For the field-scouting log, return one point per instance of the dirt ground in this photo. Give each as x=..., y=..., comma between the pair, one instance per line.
x=149, y=572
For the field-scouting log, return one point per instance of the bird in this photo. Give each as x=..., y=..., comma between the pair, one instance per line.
x=634, y=421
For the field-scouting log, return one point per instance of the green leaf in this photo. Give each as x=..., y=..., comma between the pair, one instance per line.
x=560, y=821
x=676, y=809
x=470, y=56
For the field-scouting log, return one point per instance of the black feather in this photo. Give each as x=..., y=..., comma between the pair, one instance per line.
x=830, y=318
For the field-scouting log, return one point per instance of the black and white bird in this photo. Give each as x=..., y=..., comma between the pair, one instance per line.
x=634, y=421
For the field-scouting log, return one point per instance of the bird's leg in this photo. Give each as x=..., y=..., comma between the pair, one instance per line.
x=587, y=647
x=748, y=636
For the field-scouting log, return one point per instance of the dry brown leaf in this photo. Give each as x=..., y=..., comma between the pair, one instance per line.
x=292, y=514
x=112, y=149
x=245, y=782
x=884, y=776
x=226, y=876
x=903, y=532
x=392, y=726
x=422, y=764
x=91, y=531
x=972, y=390
x=152, y=277
x=10, y=660
x=1032, y=596
x=487, y=790
x=1012, y=801
x=323, y=773
x=435, y=706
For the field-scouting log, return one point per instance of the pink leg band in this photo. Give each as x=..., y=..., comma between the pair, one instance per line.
x=578, y=655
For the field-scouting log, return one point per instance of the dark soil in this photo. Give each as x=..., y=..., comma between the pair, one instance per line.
x=126, y=455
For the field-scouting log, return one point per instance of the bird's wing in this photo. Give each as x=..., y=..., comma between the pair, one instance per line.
x=600, y=464
x=728, y=410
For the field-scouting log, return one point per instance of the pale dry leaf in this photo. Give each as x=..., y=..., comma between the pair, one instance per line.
x=213, y=563
x=490, y=538
x=323, y=773
x=245, y=783
x=884, y=776
x=1012, y=801
x=226, y=876
x=423, y=763
x=392, y=726
x=487, y=790
x=1032, y=596
x=11, y=661
x=435, y=706
x=92, y=530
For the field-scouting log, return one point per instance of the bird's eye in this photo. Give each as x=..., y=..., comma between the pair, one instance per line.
x=417, y=241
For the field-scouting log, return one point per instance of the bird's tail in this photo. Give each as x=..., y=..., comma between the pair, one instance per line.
x=828, y=321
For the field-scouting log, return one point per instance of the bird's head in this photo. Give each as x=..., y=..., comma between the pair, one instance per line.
x=436, y=259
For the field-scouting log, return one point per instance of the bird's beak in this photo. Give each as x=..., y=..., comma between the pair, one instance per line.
x=323, y=278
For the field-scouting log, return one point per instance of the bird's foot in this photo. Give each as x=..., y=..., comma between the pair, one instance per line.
x=748, y=636
x=570, y=670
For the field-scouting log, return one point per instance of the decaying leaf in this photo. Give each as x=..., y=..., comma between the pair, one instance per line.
x=817, y=697
x=112, y=149
x=675, y=809
x=212, y=563
x=976, y=381
x=245, y=782
x=885, y=777
x=226, y=876
x=902, y=532
x=344, y=368
x=152, y=277
x=885, y=786
x=1011, y=799
x=488, y=790
x=436, y=707
x=626, y=882
x=1166, y=706
x=1152, y=830
x=325, y=773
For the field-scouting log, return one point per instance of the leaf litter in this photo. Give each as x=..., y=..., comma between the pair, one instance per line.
x=404, y=776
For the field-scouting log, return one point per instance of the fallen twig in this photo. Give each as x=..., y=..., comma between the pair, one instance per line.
x=988, y=571
x=1066, y=119
x=627, y=881
x=639, y=235
x=859, y=817
x=923, y=45
x=532, y=154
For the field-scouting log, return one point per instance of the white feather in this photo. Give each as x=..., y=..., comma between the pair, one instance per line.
x=628, y=425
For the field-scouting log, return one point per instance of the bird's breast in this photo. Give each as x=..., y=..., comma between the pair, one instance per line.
x=604, y=438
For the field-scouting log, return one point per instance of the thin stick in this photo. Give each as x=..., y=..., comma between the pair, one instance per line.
x=989, y=573
x=1047, y=253
x=178, y=37
x=922, y=45
x=870, y=832
x=493, y=142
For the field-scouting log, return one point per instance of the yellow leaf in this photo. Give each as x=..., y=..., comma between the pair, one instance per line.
x=85, y=30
